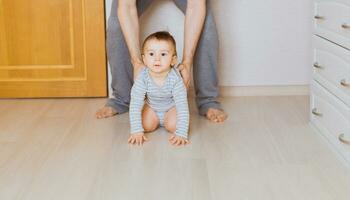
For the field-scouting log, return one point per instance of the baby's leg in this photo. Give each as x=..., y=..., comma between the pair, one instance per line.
x=150, y=121
x=170, y=120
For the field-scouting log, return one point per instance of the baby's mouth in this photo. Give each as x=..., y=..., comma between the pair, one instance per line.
x=157, y=65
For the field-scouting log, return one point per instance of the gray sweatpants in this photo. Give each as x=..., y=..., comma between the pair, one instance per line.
x=204, y=63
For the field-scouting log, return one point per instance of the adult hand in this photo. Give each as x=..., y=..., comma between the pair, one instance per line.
x=138, y=66
x=185, y=71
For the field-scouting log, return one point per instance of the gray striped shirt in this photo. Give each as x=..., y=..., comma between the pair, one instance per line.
x=160, y=99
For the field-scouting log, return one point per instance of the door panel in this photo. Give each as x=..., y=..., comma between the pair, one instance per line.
x=52, y=48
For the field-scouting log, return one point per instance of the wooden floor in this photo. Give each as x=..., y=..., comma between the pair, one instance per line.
x=56, y=149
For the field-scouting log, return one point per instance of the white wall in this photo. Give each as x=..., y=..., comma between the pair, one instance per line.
x=261, y=42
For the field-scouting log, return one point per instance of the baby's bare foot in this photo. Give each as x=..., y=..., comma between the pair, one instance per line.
x=105, y=112
x=215, y=115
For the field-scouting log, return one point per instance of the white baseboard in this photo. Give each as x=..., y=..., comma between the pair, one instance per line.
x=231, y=91
x=284, y=90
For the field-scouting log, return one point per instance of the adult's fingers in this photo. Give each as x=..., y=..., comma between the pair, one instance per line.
x=188, y=85
x=180, y=66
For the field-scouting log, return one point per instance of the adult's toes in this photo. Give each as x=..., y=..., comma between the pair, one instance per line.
x=210, y=116
x=213, y=118
x=98, y=115
x=221, y=118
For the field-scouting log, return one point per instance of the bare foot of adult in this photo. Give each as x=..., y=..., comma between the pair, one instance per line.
x=215, y=115
x=105, y=112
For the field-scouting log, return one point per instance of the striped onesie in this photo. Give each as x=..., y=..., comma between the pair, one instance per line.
x=160, y=99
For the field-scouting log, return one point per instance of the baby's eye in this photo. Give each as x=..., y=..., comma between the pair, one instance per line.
x=163, y=54
x=151, y=54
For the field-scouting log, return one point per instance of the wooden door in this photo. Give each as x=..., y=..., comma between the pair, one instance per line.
x=52, y=48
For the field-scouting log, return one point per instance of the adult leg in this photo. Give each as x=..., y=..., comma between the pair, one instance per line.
x=205, y=67
x=120, y=64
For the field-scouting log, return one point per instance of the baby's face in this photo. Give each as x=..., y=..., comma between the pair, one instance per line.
x=159, y=55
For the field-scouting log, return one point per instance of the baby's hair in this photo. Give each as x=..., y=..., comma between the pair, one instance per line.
x=163, y=36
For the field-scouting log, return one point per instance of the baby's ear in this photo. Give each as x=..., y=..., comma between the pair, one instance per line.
x=174, y=60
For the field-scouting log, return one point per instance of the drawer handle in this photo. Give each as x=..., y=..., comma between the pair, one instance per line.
x=316, y=65
x=343, y=83
x=314, y=111
x=318, y=17
x=342, y=139
x=346, y=26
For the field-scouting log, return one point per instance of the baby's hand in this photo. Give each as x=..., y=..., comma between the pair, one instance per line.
x=137, y=138
x=177, y=140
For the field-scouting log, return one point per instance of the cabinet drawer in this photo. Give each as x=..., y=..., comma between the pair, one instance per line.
x=332, y=21
x=332, y=68
x=332, y=117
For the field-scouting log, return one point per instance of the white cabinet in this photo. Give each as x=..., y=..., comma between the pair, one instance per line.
x=330, y=87
x=332, y=20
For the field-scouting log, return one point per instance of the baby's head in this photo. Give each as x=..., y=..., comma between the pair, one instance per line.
x=159, y=52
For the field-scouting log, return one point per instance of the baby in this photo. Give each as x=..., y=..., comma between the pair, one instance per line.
x=159, y=96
